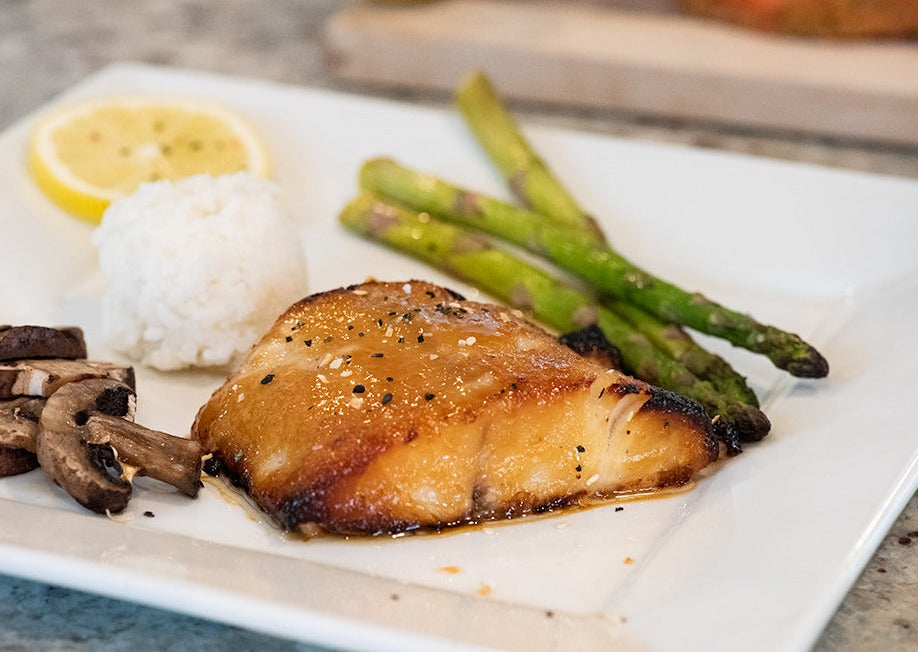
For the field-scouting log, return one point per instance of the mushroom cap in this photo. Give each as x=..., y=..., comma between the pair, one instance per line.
x=18, y=342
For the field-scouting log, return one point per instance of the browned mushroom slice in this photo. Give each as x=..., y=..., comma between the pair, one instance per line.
x=19, y=422
x=86, y=444
x=18, y=429
x=44, y=377
x=20, y=342
x=14, y=461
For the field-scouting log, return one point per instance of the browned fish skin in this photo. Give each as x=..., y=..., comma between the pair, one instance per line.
x=387, y=406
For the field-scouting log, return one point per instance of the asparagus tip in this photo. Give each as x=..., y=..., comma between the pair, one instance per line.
x=750, y=423
x=814, y=365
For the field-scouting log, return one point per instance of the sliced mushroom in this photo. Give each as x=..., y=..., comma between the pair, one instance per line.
x=44, y=377
x=87, y=444
x=14, y=461
x=18, y=429
x=19, y=342
x=19, y=422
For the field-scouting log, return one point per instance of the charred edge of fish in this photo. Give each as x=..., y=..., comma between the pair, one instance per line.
x=217, y=464
x=678, y=476
x=307, y=506
x=623, y=389
x=591, y=342
x=525, y=505
x=666, y=402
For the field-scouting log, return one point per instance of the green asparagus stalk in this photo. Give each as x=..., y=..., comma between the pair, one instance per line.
x=474, y=259
x=675, y=342
x=584, y=255
x=527, y=175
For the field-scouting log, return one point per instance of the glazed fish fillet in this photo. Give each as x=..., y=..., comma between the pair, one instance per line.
x=386, y=407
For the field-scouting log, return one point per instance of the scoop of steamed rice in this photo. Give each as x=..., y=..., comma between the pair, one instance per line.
x=198, y=269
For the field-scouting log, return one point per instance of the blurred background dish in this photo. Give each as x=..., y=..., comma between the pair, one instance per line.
x=835, y=18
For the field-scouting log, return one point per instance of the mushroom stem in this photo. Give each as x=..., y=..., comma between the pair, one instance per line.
x=173, y=460
x=84, y=460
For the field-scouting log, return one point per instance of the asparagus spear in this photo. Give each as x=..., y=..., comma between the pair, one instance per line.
x=584, y=255
x=527, y=175
x=473, y=258
x=674, y=341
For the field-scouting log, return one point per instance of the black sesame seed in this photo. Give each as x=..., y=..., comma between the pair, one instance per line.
x=289, y=338
x=377, y=355
x=430, y=294
x=359, y=389
x=390, y=378
x=579, y=468
x=267, y=379
x=401, y=340
x=350, y=327
x=580, y=449
x=379, y=322
x=149, y=514
x=429, y=397
x=307, y=342
x=328, y=339
x=386, y=398
x=420, y=338
x=360, y=334
x=619, y=509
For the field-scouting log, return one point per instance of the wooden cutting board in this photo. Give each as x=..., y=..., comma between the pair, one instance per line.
x=642, y=57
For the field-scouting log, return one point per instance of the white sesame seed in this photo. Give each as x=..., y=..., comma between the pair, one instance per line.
x=593, y=478
x=337, y=362
x=346, y=373
x=356, y=402
x=318, y=447
x=322, y=378
x=517, y=313
x=406, y=288
x=504, y=316
x=240, y=397
x=434, y=356
x=389, y=332
x=360, y=293
x=324, y=361
x=470, y=340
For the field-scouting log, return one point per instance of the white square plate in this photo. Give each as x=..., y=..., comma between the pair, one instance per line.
x=757, y=556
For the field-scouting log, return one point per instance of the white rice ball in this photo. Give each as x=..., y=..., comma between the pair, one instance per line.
x=198, y=269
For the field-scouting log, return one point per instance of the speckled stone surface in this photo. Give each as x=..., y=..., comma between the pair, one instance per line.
x=48, y=45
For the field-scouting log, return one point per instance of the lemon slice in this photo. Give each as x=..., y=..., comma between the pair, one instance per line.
x=83, y=156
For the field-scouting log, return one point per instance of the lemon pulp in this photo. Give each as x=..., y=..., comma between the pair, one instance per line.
x=86, y=155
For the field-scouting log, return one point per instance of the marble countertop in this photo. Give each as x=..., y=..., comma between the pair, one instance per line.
x=48, y=45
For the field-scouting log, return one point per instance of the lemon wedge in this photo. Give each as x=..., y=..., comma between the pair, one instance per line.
x=85, y=155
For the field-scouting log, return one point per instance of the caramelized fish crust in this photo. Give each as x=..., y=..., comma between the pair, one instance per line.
x=385, y=407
